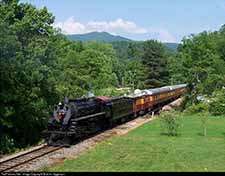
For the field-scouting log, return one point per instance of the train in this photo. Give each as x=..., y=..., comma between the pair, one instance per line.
x=74, y=119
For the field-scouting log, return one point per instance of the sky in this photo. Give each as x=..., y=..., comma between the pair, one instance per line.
x=164, y=20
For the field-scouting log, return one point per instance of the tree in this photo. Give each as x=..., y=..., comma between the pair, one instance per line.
x=27, y=59
x=134, y=74
x=9, y=49
x=200, y=63
x=155, y=61
x=170, y=123
x=97, y=63
x=217, y=104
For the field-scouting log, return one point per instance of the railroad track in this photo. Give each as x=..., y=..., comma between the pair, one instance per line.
x=23, y=159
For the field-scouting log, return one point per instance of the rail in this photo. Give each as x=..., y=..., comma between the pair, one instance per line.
x=26, y=157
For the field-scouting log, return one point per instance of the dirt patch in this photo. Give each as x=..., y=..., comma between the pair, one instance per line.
x=57, y=161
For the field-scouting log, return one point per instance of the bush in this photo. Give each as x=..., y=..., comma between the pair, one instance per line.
x=197, y=108
x=6, y=144
x=170, y=123
x=217, y=104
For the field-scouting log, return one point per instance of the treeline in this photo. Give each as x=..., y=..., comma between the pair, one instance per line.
x=143, y=64
x=200, y=62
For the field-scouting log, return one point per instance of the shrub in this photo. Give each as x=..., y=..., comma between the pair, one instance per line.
x=6, y=144
x=169, y=123
x=197, y=108
x=217, y=104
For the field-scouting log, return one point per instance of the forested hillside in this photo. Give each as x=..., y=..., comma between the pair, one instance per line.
x=107, y=37
x=39, y=66
x=99, y=36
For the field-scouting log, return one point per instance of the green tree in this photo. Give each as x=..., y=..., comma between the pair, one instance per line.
x=170, y=123
x=27, y=59
x=217, y=104
x=155, y=60
x=134, y=74
x=200, y=63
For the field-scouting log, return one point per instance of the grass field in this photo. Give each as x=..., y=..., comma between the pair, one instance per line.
x=144, y=149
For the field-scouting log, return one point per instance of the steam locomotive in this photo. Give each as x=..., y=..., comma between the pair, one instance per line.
x=74, y=119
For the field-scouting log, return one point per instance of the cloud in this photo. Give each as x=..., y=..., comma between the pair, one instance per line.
x=118, y=26
x=162, y=34
x=70, y=26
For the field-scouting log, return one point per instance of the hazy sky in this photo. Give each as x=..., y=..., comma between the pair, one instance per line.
x=165, y=20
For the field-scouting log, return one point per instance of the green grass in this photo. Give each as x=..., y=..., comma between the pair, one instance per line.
x=144, y=149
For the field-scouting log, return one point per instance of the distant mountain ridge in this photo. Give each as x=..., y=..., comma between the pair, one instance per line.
x=105, y=36
x=172, y=46
x=100, y=36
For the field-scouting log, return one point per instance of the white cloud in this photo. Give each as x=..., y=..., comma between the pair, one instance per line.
x=118, y=26
x=128, y=26
x=70, y=26
x=162, y=35
x=165, y=36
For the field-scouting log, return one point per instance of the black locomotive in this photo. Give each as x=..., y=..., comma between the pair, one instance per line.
x=77, y=118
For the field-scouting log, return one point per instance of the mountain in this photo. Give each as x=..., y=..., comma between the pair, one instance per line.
x=172, y=46
x=105, y=36
x=100, y=36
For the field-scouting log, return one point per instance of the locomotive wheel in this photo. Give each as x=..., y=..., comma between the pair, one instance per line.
x=66, y=141
x=51, y=139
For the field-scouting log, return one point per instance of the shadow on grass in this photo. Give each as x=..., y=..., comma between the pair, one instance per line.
x=223, y=134
x=170, y=135
x=201, y=134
